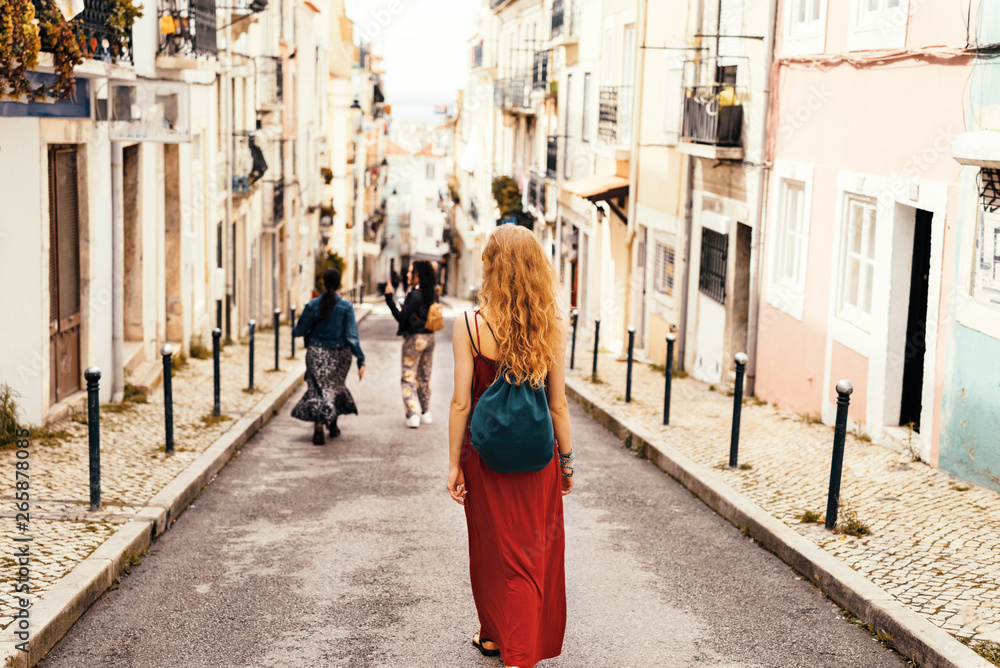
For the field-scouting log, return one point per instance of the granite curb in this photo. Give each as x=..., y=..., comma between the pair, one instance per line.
x=56, y=612
x=912, y=635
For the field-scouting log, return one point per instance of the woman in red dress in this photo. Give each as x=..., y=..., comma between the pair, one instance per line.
x=515, y=520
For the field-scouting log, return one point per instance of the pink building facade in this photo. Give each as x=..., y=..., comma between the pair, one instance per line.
x=862, y=200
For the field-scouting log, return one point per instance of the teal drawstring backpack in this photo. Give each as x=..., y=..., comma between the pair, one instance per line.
x=511, y=425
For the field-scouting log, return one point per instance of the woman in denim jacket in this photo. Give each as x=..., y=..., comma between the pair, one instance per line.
x=331, y=337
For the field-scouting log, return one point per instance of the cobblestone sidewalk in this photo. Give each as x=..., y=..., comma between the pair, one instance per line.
x=134, y=466
x=934, y=540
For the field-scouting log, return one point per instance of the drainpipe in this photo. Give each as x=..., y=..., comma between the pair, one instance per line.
x=757, y=249
x=117, y=273
x=228, y=252
x=689, y=217
x=633, y=177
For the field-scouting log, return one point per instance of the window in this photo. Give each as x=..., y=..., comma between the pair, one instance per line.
x=877, y=24
x=714, y=258
x=585, y=126
x=987, y=283
x=789, y=266
x=663, y=279
x=805, y=27
x=628, y=56
x=431, y=204
x=430, y=171
x=857, y=265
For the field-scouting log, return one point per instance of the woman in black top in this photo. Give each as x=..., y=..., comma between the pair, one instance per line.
x=418, y=341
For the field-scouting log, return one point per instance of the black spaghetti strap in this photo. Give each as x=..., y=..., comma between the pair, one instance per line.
x=471, y=340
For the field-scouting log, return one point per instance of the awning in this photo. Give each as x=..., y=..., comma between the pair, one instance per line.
x=978, y=149
x=598, y=188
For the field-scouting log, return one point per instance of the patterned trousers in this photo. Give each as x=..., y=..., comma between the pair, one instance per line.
x=418, y=357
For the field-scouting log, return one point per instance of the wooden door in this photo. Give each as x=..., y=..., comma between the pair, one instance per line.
x=64, y=274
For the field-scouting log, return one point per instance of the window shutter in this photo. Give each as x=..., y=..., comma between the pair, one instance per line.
x=674, y=99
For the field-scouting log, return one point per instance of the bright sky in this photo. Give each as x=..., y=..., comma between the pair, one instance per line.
x=424, y=44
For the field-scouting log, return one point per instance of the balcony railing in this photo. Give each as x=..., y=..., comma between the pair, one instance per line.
x=97, y=39
x=536, y=192
x=187, y=28
x=712, y=115
x=540, y=71
x=520, y=92
x=614, y=120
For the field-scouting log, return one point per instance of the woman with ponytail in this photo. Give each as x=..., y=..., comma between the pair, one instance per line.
x=331, y=337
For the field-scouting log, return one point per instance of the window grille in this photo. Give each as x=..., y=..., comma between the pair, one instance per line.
x=664, y=270
x=714, y=257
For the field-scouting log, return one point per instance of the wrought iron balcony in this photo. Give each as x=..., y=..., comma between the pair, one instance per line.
x=187, y=28
x=519, y=92
x=614, y=120
x=97, y=38
x=713, y=115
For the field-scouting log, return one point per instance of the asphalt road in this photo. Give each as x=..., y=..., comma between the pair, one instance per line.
x=354, y=555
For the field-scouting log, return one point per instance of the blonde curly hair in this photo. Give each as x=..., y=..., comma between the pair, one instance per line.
x=521, y=299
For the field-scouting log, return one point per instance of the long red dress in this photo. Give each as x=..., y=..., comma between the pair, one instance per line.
x=516, y=548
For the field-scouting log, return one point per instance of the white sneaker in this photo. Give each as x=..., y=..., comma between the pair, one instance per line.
x=426, y=418
x=413, y=421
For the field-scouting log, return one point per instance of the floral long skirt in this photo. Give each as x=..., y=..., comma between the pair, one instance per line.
x=326, y=396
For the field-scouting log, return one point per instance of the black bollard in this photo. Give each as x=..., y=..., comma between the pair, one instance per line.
x=292, y=323
x=218, y=313
x=361, y=293
x=93, y=376
x=844, y=389
x=253, y=329
x=734, y=440
x=575, y=315
x=167, y=351
x=277, y=330
x=670, y=377
x=628, y=373
x=229, y=320
x=597, y=346
x=216, y=336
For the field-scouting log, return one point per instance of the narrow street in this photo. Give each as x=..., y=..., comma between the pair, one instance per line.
x=354, y=555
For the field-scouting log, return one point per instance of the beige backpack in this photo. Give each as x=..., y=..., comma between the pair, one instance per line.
x=435, y=317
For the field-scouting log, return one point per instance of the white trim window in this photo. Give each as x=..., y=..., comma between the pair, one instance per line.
x=857, y=261
x=789, y=239
x=987, y=283
x=805, y=27
x=789, y=266
x=877, y=24
x=663, y=269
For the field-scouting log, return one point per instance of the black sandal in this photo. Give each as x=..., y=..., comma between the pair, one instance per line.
x=485, y=652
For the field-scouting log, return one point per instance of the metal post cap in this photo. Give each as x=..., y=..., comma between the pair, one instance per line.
x=294, y=306
x=742, y=359
x=277, y=311
x=574, y=312
x=671, y=337
x=93, y=374
x=253, y=323
x=597, y=319
x=216, y=333
x=845, y=387
x=631, y=329
x=167, y=350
